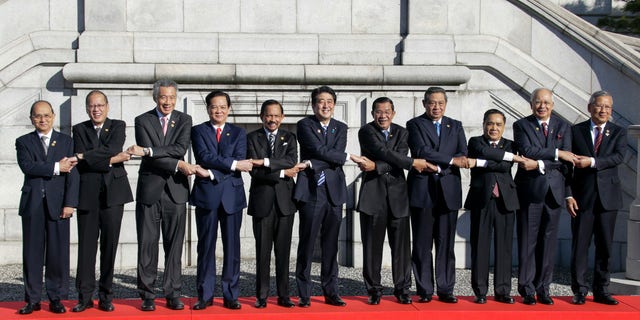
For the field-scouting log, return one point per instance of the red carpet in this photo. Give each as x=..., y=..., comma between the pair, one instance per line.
x=356, y=309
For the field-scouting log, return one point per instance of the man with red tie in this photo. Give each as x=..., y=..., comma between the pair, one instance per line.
x=597, y=196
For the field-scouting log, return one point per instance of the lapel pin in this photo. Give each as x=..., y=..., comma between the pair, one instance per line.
x=319, y=131
x=448, y=126
x=173, y=123
x=333, y=130
x=53, y=143
x=106, y=129
x=537, y=129
x=390, y=135
x=228, y=134
x=282, y=138
x=606, y=133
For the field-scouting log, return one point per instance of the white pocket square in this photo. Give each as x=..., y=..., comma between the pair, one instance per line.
x=284, y=144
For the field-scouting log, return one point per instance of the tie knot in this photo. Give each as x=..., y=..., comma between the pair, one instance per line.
x=324, y=130
x=599, y=129
x=494, y=145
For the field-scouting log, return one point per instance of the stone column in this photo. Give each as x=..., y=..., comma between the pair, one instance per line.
x=633, y=225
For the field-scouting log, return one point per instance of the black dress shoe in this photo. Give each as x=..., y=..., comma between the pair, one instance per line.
x=334, y=301
x=29, y=308
x=232, y=304
x=545, y=299
x=56, y=307
x=285, y=302
x=425, y=298
x=261, y=303
x=148, y=305
x=605, y=299
x=106, y=306
x=175, y=304
x=578, y=299
x=529, y=300
x=304, y=302
x=403, y=298
x=82, y=306
x=447, y=298
x=505, y=299
x=481, y=299
x=374, y=299
x=201, y=305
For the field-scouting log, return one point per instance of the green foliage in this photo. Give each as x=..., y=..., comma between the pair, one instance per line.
x=629, y=24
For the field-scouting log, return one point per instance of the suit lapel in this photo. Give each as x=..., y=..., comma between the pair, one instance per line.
x=104, y=132
x=585, y=132
x=263, y=143
x=609, y=130
x=431, y=131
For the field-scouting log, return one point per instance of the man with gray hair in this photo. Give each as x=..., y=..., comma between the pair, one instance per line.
x=596, y=196
x=541, y=190
x=163, y=136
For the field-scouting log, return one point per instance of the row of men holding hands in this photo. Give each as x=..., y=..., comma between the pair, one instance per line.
x=429, y=199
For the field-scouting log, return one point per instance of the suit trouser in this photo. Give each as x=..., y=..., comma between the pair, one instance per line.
x=429, y=226
x=537, y=242
x=493, y=217
x=207, y=228
x=318, y=215
x=101, y=224
x=601, y=224
x=169, y=217
x=373, y=229
x=274, y=231
x=45, y=242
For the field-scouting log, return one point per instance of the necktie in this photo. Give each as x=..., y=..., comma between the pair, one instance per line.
x=437, y=124
x=164, y=121
x=45, y=145
x=218, y=134
x=386, y=135
x=545, y=129
x=98, y=129
x=322, y=177
x=598, y=142
x=272, y=143
x=496, y=191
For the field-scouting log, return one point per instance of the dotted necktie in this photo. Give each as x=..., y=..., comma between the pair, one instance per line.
x=272, y=143
x=322, y=177
x=598, y=142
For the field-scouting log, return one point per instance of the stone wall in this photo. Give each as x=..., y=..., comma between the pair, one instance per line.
x=488, y=54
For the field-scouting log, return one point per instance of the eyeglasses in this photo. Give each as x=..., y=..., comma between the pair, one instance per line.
x=41, y=116
x=96, y=106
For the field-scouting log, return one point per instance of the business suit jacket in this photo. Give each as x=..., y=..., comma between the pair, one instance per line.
x=424, y=143
x=328, y=157
x=531, y=143
x=227, y=188
x=267, y=187
x=48, y=238
x=602, y=181
x=497, y=170
x=159, y=170
x=60, y=190
x=387, y=182
x=95, y=172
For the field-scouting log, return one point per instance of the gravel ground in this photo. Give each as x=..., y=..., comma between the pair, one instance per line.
x=351, y=284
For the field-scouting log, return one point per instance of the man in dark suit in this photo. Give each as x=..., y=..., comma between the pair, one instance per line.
x=49, y=196
x=597, y=196
x=220, y=150
x=321, y=190
x=541, y=190
x=493, y=201
x=162, y=139
x=275, y=153
x=104, y=189
x=383, y=203
x=435, y=197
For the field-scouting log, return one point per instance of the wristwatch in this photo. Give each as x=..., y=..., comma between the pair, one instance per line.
x=145, y=151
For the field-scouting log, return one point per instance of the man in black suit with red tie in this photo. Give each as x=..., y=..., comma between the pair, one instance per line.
x=435, y=197
x=104, y=189
x=383, y=203
x=275, y=153
x=493, y=201
x=49, y=196
x=541, y=190
x=162, y=139
x=321, y=191
x=597, y=196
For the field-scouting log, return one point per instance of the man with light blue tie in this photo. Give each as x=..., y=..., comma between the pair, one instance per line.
x=321, y=191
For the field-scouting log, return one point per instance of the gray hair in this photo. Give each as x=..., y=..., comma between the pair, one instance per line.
x=535, y=93
x=163, y=83
x=598, y=94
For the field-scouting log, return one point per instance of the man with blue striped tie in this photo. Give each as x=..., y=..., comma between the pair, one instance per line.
x=321, y=190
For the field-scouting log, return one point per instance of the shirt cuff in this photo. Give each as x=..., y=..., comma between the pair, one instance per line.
x=541, y=166
x=281, y=174
x=267, y=163
x=440, y=169
x=56, y=169
x=211, y=176
x=150, y=152
x=508, y=156
x=348, y=157
x=593, y=162
x=233, y=165
x=556, y=156
x=481, y=163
